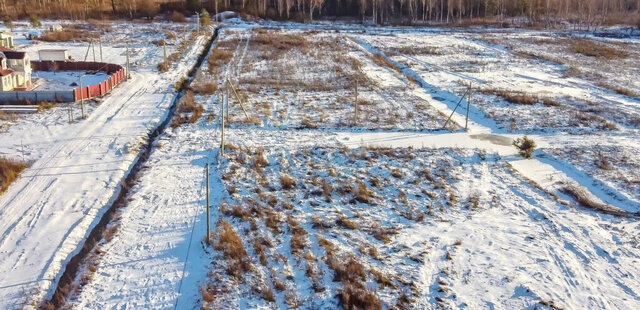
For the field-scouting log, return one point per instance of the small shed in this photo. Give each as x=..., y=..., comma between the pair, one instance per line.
x=6, y=40
x=54, y=28
x=53, y=55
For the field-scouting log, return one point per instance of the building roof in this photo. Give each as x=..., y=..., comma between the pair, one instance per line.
x=14, y=55
x=5, y=72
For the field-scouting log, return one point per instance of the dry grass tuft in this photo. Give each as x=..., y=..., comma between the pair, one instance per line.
x=353, y=297
x=230, y=244
x=618, y=89
x=347, y=223
x=188, y=111
x=287, y=182
x=382, y=61
x=362, y=193
x=346, y=269
x=9, y=172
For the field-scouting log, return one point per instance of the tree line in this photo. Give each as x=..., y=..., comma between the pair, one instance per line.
x=547, y=13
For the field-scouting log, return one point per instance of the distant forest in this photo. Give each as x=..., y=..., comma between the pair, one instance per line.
x=532, y=13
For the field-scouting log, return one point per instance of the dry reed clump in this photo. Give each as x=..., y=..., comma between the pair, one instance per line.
x=274, y=44
x=9, y=172
x=345, y=222
x=618, y=89
x=586, y=199
x=218, y=59
x=188, y=111
x=346, y=269
x=382, y=61
x=206, y=88
x=326, y=190
x=230, y=244
x=595, y=49
x=362, y=193
x=354, y=297
x=163, y=66
x=521, y=98
x=287, y=182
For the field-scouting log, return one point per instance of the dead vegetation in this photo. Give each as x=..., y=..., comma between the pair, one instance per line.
x=188, y=111
x=595, y=49
x=519, y=97
x=9, y=172
x=230, y=244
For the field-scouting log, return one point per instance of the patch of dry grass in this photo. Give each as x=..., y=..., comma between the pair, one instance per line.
x=230, y=244
x=9, y=172
x=188, y=111
x=595, y=49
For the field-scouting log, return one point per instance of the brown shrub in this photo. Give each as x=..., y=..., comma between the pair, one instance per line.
x=159, y=42
x=326, y=190
x=206, y=295
x=234, y=252
x=205, y=88
x=595, y=49
x=512, y=96
x=178, y=17
x=346, y=269
x=9, y=171
x=353, y=297
x=362, y=193
x=163, y=67
x=382, y=61
x=188, y=111
x=267, y=294
x=346, y=223
x=287, y=182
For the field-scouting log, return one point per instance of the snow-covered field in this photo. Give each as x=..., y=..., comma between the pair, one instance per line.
x=76, y=169
x=312, y=210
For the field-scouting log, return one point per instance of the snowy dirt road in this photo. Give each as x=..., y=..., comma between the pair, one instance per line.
x=48, y=211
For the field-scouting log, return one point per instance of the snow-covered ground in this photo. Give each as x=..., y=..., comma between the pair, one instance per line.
x=76, y=169
x=65, y=80
x=306, y=204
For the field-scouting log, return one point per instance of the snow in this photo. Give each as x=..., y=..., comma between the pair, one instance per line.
x=64, y=80
x=471, y=224
x=76, y=172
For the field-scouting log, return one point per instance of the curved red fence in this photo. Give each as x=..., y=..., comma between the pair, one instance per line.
x=116, y=75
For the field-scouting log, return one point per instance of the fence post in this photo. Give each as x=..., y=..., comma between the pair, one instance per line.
x=466, y=122
x=208, y=216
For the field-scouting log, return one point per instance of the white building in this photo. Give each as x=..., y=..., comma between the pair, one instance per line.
x=16, y=70
x=6, y=40
x=53, y=55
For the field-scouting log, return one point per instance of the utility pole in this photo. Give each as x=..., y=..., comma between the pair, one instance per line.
x=222, y=137
x=227, y=96
x=355, y=117
x=82, y=97
x=93, y=48
x=100, y=49
x=466, y=122
x=128, y=64
x=164, y=48
x=208, y=217
x=198, y=22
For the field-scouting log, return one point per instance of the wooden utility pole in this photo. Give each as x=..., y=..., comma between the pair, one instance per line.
x=454, y=109
x=100, y=40
x=466, y=122
x=208, y=216
x=128, y=64
x=88, y=48
x=198, y=22
x=238, y=97
x=222, y=136
x=227, y=96
x=93, y=48
x=355, y=116
x=164, y=49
